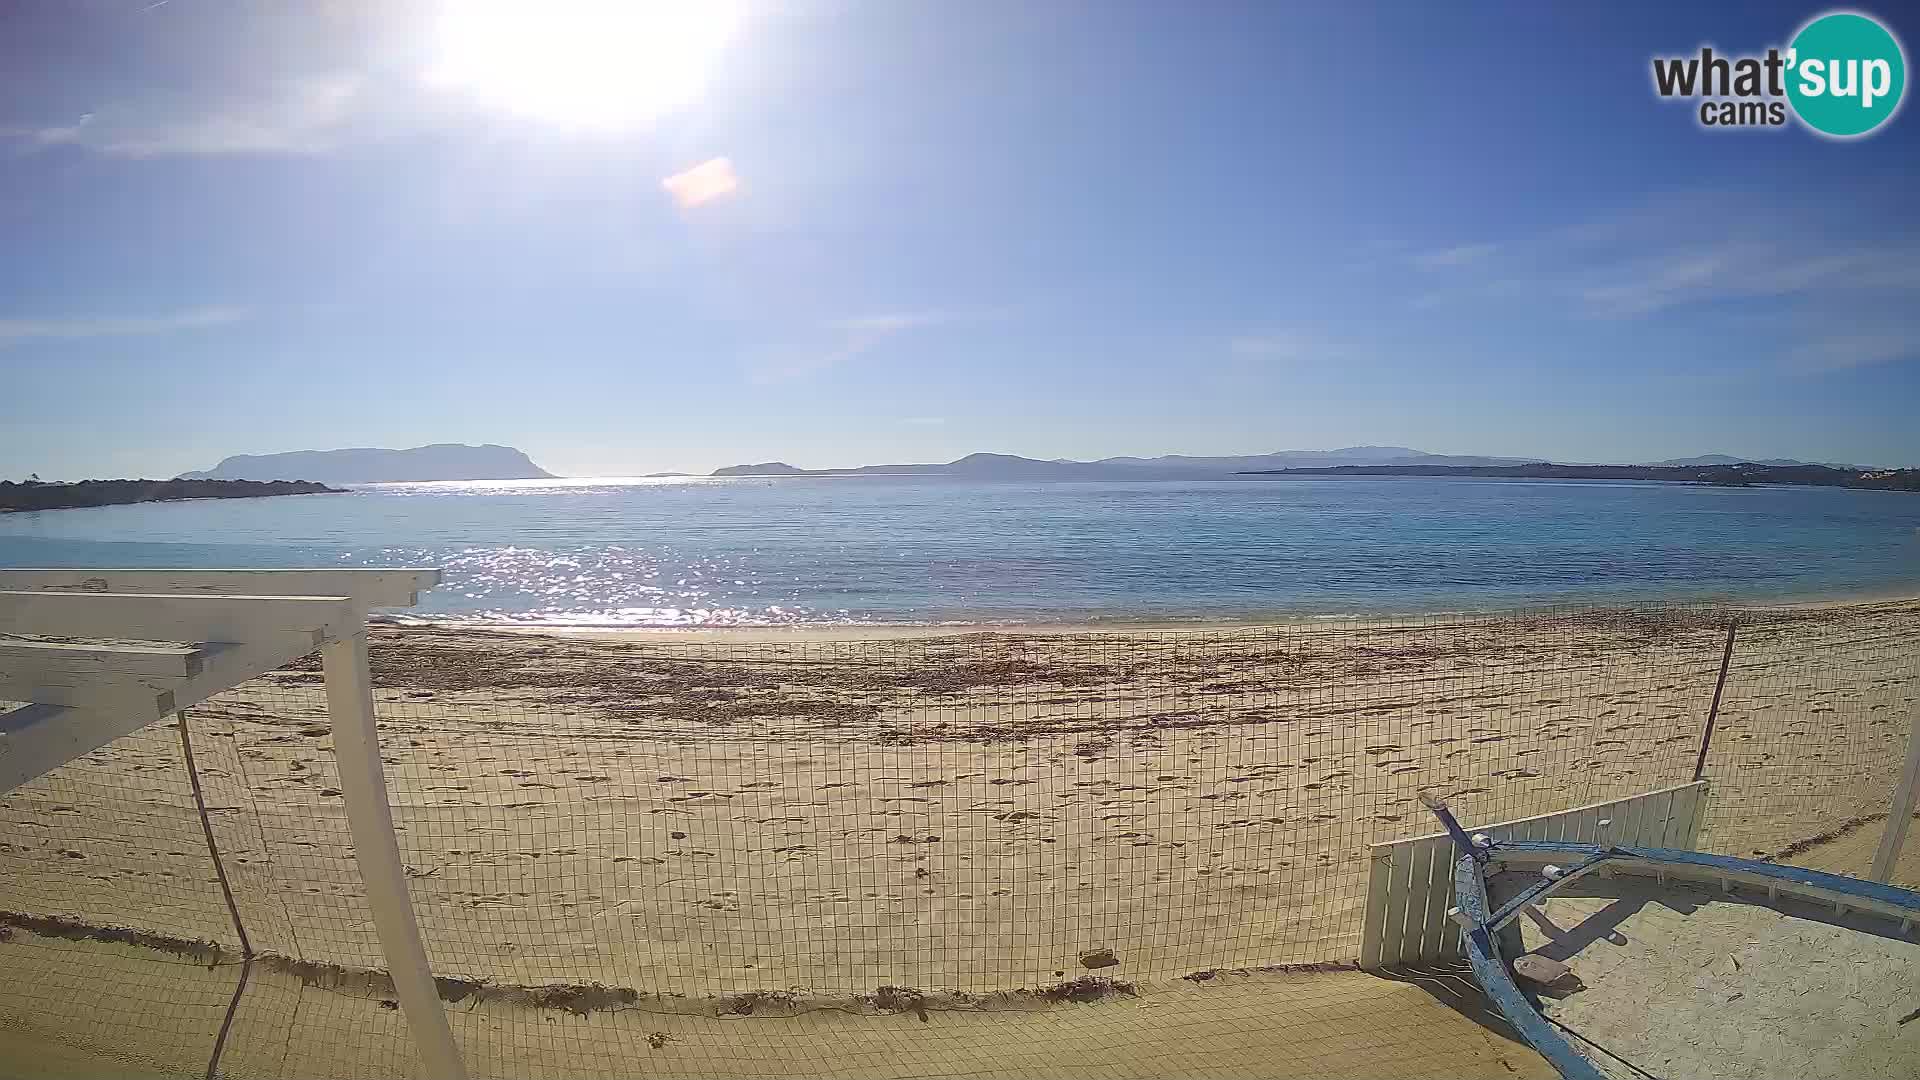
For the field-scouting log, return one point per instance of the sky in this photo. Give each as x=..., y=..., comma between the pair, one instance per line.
x=660, y=236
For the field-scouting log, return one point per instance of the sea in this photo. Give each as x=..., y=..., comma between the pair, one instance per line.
x=755, y=551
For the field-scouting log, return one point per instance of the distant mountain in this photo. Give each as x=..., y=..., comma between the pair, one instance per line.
x=1351, y=455
x=365, y=465
x=1741, y=475
x=1297, y=459
x=1725, y=459
x=1169, y=467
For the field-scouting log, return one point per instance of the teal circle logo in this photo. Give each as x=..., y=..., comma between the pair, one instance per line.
x=1846, y=74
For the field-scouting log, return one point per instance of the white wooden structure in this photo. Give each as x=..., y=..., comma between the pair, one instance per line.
x=1410, y=882
x=155, y=642
x=1900, y=814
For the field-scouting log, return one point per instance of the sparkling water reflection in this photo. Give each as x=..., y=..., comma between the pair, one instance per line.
x=754, y=551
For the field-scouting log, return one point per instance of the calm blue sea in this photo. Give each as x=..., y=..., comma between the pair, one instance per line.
x=850, y=550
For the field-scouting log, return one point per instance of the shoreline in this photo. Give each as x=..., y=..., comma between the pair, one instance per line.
x=1116, y=626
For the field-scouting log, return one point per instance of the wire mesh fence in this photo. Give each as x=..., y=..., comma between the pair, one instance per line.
x=685, y=830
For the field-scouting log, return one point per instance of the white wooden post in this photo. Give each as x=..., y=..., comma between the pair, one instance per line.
x=1900, y=814
x=364, y=786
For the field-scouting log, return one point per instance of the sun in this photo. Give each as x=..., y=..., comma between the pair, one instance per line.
x=585, y=64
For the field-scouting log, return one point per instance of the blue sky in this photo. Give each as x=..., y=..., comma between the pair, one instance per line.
x=1052, y=229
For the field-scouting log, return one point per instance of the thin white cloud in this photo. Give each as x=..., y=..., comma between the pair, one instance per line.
x=1272, y=346
x=1472, y=292
x=849, y=339
x=1741, y=269
x=14, y=331
x=1445, y=258
x=1851, y=350
x=891, y=322
x=1294, y=345
x=705, y=182
x=1645, y=286
x=298, y=116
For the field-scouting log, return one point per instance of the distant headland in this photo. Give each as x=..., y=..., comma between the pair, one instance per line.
x=34, y=495
x=1352, y=460
x=1168, y=467
x=1740, y=475
x=370, y=465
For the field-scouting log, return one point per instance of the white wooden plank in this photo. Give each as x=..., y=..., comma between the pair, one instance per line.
x=1556, y=826
x=19, y=656
x=1685, y=832
x=1393, y=938
x=376, y=852
x=1373, y=918
x=1435, y=928
x=171, y=617
x=1670, y=822
x=1632, y=823
x=371, y=587
x=95, y=691
x=1900, y=811
x=1583, y=827
x=1419, y=874
x=39, y=738
x=216, y=666
x=1653, y=822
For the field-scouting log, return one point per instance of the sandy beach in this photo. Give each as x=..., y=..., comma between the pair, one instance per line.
x=787, y=822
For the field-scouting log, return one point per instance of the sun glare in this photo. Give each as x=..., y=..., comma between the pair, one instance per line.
x=590, y=64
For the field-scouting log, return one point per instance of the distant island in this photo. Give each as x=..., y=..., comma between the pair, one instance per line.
x=368, y=465
x=1168, y=467
x=1743, y=474
x=34, y=495
x=1357, y=460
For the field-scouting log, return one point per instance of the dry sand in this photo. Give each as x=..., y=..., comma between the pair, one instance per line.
x=792, y=823
x=1684, y=980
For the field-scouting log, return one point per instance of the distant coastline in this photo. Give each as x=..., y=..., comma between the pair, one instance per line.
x=32, y=495
x=1351, y=460
x=1745, y=474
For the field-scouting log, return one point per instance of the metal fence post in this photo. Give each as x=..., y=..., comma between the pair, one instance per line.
x=377, y=852
x=1900, y=814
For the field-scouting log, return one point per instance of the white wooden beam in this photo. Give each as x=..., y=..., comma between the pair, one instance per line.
x=372, y=588
x=1900, y=812
x=168, y=617
x=38, y=738
x=19, y=655
x=363, y=784
x=147, y=698
x=91, y=690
